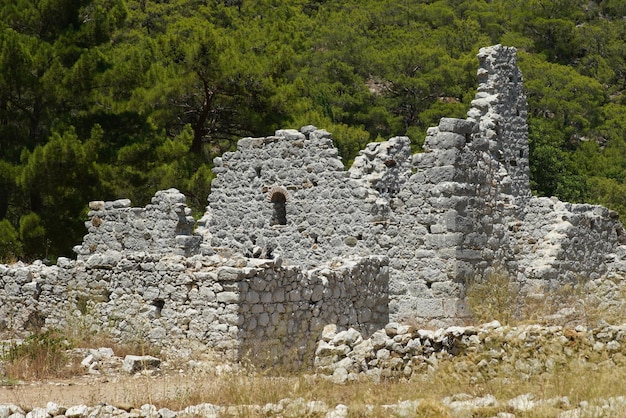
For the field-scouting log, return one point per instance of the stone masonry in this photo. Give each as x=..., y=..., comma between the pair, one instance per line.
x=231, y=305
x=291, y=241
x=444, y=216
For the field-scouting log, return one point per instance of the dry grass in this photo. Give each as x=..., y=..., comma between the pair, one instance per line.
x=498, y=297
x=84, y=332
x=494, y=297
x=579, y=382
x=40, y=356
x=44, y=355
x=121, y=349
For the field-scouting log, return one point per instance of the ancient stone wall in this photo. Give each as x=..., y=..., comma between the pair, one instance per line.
x=420, y=228
x=287, y=194
x=165, y=226
x=452, y=212
x=559, y=242
x=228, y=304
x=445, y=216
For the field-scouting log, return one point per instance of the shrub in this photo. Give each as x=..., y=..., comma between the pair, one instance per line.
x=10, y=246
x=494, y=297
x=39, y=356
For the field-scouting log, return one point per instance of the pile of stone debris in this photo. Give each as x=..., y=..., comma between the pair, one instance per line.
x=401, y=351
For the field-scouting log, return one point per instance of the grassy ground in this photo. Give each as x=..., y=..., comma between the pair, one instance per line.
x=578, y=383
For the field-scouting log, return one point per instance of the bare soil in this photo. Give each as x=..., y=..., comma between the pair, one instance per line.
x=123, y=391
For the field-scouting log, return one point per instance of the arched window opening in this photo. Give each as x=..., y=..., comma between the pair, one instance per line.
x=279, y=216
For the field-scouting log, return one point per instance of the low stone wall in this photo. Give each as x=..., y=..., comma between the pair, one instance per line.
x=401, y=351
x=284, y=312
x=226, y=304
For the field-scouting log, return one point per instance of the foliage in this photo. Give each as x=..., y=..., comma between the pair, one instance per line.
x=102, y=99
x=9, y=242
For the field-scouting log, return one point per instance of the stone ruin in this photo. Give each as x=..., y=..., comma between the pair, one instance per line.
x=291, y=241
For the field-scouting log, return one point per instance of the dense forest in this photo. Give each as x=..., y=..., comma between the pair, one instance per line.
x=103, y=99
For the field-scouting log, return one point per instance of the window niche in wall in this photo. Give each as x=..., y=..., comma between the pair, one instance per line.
x=278, y=199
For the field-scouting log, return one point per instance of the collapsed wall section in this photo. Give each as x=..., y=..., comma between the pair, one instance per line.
x=384, y=166
x=228, y=305
x=164, y=226
x=559, y=242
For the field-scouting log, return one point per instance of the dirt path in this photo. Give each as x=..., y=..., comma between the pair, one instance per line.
x=125, y=391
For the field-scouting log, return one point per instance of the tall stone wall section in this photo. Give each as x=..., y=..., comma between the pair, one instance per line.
x=230, y=305
x=501, y=130
x=287, y=195
x=468, y=184
x=467, y=210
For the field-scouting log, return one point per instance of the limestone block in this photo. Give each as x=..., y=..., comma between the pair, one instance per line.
x=429, y=308
x=53, y=409
x=244, y=144
x=290, y=134
x=37, y=413
x=459, y=126
x=445, y=140
x=229, y=274
x=279, y=295
x=350, y=337
x=108, y=260
x=202, y=410
x=439, y=174
x=227, y=297
x=117, y=204
x=96, y=205
x=133, y=364
x=32, y=289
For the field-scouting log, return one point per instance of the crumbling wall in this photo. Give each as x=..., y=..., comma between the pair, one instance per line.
x=384, y=166
x=499, y=111
x=165, y=226
x=445, y=216
x=226, y=304
x=433, y=214
x=426, y=224
x=469, y=183
x=560, y=242
x=287, y=195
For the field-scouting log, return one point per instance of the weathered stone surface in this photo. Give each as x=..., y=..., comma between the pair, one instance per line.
x=77, y=411
x=118, y=227
x=133, y=364
x=37, y=413
x=206, y=299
